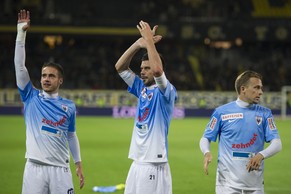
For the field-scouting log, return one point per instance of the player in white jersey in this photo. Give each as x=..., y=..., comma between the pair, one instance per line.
x=50, y=125
x=242, y=126
x=150, y=171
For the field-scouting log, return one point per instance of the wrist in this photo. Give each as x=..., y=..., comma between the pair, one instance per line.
x=262, y=155
x=136, y=45
x=21, y=34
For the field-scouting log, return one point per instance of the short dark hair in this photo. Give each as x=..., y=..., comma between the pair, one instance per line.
x=244, y=78
x=56, y=66
x=145, y=57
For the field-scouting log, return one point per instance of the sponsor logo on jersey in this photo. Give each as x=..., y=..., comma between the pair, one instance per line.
x=245, y=145
x=70, y=191
x=232, y=116
x=66, y=169
x=52, y=123
x=142, y=128
x=242, y=155
x=271, y=124
x=259, y=120
x=212, y=123
x=144, y=116
x=51, y=131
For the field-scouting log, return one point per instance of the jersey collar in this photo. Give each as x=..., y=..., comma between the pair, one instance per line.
x=242, y=104
x=47, y=95
x=152, y=87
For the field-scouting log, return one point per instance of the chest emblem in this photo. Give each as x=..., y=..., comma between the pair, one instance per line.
x=259, y=120
x=65, y=108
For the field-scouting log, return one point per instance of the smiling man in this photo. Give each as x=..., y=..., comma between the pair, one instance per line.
x=242, y=126
x=50, y=125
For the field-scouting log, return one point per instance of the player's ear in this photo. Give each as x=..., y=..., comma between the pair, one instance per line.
x=242, y=89
x=61, y=81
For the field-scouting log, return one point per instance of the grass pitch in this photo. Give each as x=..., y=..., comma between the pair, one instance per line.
x=104, y=148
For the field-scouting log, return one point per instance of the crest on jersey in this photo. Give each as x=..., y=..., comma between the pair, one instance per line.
x=271, y=124
x=259, y=120
x=212, y=123
x=65, y=108
x=150, y=96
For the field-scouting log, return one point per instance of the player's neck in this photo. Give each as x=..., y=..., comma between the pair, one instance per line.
x=242, y=103
x=151, y=86
x=47, y=95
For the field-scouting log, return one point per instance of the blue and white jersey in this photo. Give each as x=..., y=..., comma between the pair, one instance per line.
x=154, y=111
x=242, y=132
x=48, y=121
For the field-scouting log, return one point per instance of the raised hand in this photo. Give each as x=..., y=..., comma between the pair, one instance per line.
x=24, y=17
x=147, y=34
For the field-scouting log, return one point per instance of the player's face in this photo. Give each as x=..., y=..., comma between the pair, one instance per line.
x=146, y=73
x=50, y=80
x=252, y=92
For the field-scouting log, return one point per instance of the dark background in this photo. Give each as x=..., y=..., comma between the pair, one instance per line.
x=206, y=43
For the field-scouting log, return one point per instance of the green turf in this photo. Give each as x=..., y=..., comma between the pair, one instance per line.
x=104, y=147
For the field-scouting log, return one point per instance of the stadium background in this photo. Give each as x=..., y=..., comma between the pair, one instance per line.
x=206, y=43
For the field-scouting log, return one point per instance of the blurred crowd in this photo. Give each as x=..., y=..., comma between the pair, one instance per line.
x=89, y=60
x=112, y=12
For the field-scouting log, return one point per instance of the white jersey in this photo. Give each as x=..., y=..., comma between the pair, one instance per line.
x=242, y=133
x=48, y=120
x=154, y=111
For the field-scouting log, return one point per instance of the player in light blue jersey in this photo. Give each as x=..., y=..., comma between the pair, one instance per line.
x=50, y=125
x=242, y=127
x=150, y=171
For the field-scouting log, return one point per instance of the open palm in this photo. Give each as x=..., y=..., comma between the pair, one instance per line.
x=24, y=17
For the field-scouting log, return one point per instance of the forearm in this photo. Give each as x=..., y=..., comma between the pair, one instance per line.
x=204, y=145
x=74, y=147
x=161, y=81
x=274, y=147
x=154, y=59
x=22, y=76
x=124, y=61
x=128, y=76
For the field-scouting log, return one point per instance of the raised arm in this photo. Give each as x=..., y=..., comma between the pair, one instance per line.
x=124, y=61
x=150, y=39
x=22, y=76
x=122, y=65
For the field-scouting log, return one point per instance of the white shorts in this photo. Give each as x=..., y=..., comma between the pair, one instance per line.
x=45, y=179
x=229, y=190
x=145, y=178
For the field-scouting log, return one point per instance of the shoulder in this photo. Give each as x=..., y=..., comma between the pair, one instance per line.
x=262, y=109
x=68, y=102
x=226, y=106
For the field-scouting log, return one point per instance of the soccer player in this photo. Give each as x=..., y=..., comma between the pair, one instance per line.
x=242, y=126
x=50, y=125
x=150, y=171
